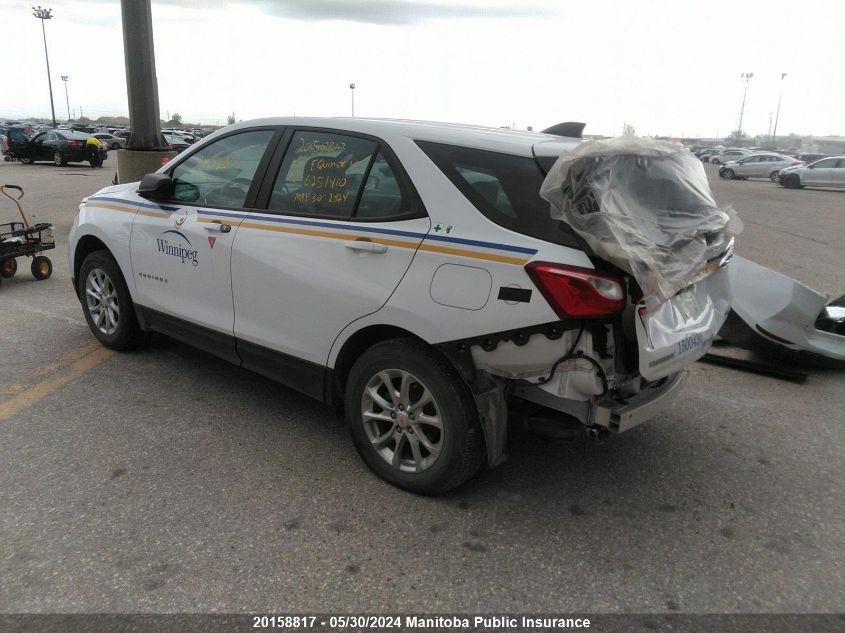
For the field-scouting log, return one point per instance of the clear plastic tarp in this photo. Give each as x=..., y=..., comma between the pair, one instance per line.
x=645, y=206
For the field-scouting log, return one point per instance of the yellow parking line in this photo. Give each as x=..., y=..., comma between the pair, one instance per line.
x=71, y=366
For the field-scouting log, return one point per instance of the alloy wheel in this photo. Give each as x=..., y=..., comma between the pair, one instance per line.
x=101, y=299
x=402, y=420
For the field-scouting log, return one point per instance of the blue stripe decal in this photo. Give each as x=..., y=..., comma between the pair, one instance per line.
x=369, y=229
x=503, y=247
x=131, y=203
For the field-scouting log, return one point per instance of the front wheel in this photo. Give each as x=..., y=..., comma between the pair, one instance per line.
x=791, y=181
x=728, y=174
x=41, y=268
x=412, y=418
x=107, y=304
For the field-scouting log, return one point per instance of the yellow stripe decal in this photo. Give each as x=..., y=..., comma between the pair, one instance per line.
x=517, y=261
x=113, y=207
x=424, y=246
x=380, y=240
x=127, y=209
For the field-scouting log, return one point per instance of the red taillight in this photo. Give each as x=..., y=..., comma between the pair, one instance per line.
x=74, y=143
x=577, y=292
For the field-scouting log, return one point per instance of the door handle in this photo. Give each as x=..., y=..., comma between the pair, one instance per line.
x=366, y=246
x=217, y=226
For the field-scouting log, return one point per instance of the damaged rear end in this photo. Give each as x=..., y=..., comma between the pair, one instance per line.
x=654, y=301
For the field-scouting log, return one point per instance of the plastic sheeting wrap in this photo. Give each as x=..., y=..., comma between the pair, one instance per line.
x=645, y=206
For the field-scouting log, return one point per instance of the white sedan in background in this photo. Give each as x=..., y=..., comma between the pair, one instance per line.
x=827, y=172
x=730, y=155
x=758, y=166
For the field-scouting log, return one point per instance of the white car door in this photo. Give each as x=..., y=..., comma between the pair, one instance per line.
x=181, y=250
x=838, y=174
x=820, y=173
x=341, y=226
x=747, y=166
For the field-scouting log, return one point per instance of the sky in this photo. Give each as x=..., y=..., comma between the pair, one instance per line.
x=665, y=67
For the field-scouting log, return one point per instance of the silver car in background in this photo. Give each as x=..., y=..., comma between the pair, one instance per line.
x=730, y=155
x=827, y=172
x=758, y=166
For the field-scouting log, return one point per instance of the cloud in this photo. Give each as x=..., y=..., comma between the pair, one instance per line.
x=393, y=12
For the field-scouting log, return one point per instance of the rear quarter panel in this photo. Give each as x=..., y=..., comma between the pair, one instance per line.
x=468, y=239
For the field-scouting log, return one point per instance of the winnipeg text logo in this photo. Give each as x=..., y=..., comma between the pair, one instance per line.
x=185, y=251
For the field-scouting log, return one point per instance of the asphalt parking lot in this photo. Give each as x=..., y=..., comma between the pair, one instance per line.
x=166, y=480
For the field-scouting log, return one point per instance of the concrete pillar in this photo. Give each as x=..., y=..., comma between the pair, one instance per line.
x=132, y=165
x=146, y=146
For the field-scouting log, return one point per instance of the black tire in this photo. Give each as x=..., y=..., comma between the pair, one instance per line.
x=715, y=161
x=792, y=181
x=461, y=440
x=128, y=333
x=115, y=146
x=59, y=160
x=41, y=267
x=26, y=160
x=774, y=176
x=728, y=174
x=8, y=268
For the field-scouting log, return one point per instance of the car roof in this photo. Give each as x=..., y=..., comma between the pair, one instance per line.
x=521, y=143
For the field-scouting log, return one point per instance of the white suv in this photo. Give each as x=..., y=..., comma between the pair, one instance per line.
x=408, y=274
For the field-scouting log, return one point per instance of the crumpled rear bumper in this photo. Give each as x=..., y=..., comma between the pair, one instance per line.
x=616, y=415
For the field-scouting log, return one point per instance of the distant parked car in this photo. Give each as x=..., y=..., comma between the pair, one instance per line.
x=758, y=166
x=60, y=147
x=12, y=139
x=110, y=141
x=176, y=143
x=827, y=172
x=808, y=158
x=729, y=155
x=706, y=153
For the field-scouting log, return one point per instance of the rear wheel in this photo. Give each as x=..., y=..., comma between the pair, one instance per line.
x=107, y=304
x=715, y=161
x=792, y=181
x=8, y=268
x=412, y=418
x=26, y=160
x=59, y=160
x=774, y=176
x=41, y=268
x=728, y=174
x=115, y=146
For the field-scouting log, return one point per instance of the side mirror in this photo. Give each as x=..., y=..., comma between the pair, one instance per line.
x=157, y=187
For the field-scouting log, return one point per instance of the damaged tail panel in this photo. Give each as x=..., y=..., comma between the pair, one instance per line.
x=785, y=312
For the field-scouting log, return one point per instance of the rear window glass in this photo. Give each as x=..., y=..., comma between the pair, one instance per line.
x=503, y=187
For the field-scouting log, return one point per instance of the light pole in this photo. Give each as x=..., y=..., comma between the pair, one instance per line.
x=64, y=79
x=775, y=132
x=746, y=77
x=352, y=92
x=46, y=14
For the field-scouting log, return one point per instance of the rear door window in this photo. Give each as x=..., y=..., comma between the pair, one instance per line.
x=322, y=174
x=383, y=196
x=503, y=187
